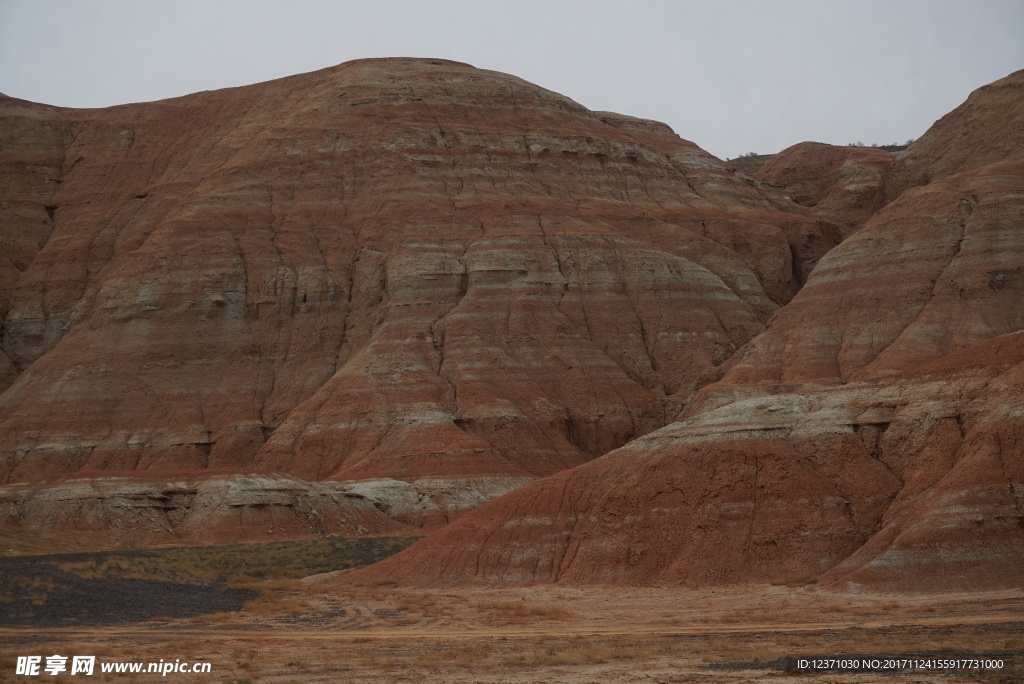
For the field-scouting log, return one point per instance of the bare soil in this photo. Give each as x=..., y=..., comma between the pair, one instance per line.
x=120, y=587
x=324, y=629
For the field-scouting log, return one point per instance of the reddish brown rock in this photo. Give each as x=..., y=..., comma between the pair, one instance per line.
x=911, y=486
x=986, y=129
x=958, y=522
x=842, y=185
x=32, y=142
x=938, y=270
x=121, y=511
x=872, y=436
x=388, y=270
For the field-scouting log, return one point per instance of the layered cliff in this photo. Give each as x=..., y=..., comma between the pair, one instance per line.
x=437, y=281
x=872, y=435
x=840, y=185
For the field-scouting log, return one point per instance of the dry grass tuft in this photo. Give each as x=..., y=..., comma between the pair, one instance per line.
x=583, y=652
x=277, y=596
x=210, y=618
x=798, y=581
x=463, y=657
x=521, y=609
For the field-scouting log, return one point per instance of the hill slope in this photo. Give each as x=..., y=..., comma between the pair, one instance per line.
x=430, y=281
x=873, y=434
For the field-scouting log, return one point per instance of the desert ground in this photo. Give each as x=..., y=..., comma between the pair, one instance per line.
x=340, y=628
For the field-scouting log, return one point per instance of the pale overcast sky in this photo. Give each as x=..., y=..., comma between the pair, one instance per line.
x=734, y=76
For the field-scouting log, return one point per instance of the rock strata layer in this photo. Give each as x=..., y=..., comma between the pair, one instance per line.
x=841, y=185
x=872, y=436
x=391, y=270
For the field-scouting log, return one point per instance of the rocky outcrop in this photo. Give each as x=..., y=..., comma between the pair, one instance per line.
x=911, y=486
x=117, y=511
x=32, y=141
x=842, y=185
x=872, y=436
x=986, y=129
x=391, y=269
x=382, y=294
x=936, y=271
x=138, y=511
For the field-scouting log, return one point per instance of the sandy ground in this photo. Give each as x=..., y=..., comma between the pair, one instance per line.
x=317, y=631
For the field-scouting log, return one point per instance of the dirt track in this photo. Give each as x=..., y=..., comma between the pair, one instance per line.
x=553, y=634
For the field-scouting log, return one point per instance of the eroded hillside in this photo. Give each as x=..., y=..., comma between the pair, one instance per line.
x=429, y=282
x=870, y=436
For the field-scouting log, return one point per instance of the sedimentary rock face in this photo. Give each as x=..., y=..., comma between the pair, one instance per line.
x=872, y=435
x=841, y=185
x=403, y=270
x=384, y=293
x=986, y=129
